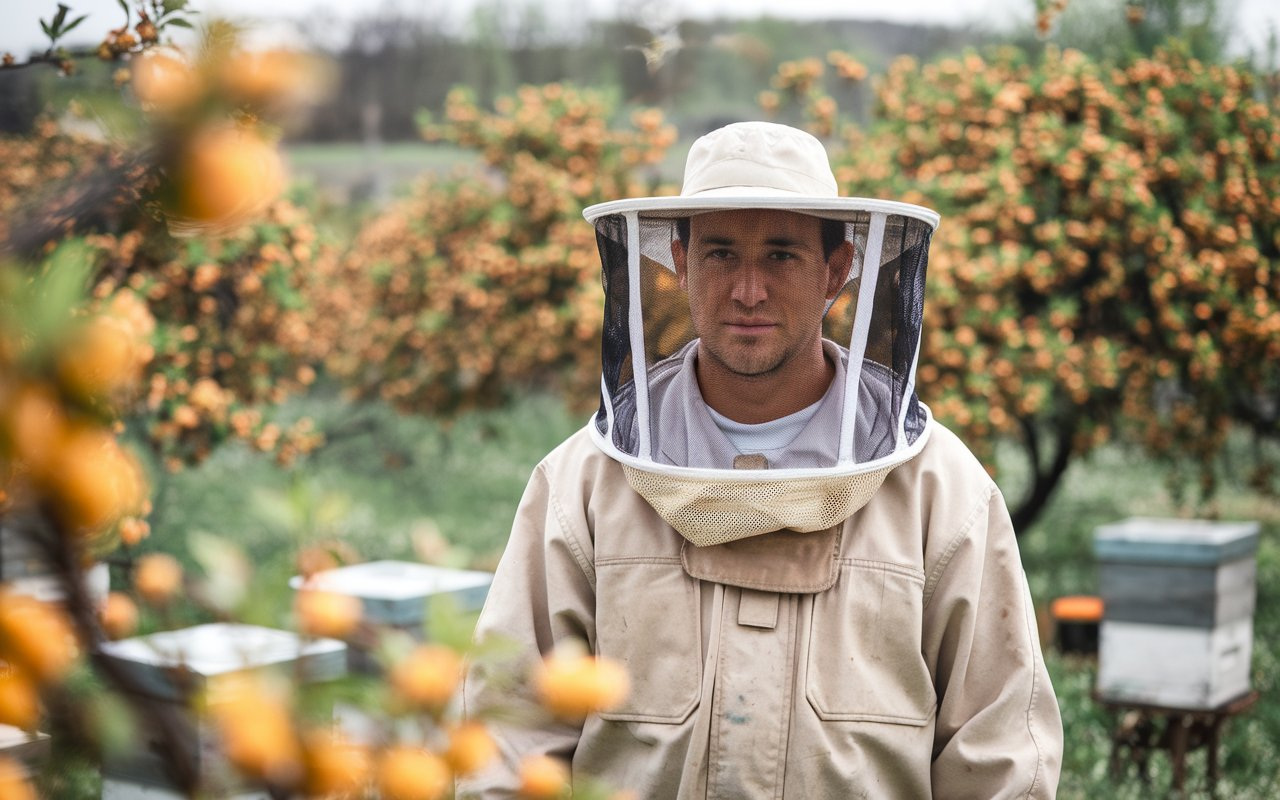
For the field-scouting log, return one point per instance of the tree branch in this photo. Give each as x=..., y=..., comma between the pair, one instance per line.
x=176, y=734
x=1044, y=481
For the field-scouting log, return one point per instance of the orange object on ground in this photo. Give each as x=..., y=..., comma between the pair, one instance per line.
x=1077, y=608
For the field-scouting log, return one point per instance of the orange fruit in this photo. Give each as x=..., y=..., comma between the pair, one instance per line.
x=119, y=616
x=411, y=773
x=163, y=81
x=19, y=701
x=470, y=748
x=158, y=577
x=315, y=559
x=13, y=781
x=573, y=686
x=322, y=613
x=428, y=676
x=269, y=76
x=99, y=358
x=34, y=424
x=543, y=778
x=133, y=530
x=36, y=636
x=92, y=479
x=334, y=767
x=257, y=733
x=227, y=175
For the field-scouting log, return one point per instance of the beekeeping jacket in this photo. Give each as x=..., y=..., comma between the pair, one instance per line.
x=843, y=616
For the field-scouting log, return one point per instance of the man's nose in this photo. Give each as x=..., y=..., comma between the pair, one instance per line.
x=749, y=285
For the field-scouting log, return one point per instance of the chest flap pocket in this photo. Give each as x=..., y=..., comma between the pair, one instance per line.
x=648, y=618
x=864, y=660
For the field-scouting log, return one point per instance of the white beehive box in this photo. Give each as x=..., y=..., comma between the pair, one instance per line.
x=396, y=594
x=1179, y=595
x=119, y=789
x=175, y=666
x=27, y=749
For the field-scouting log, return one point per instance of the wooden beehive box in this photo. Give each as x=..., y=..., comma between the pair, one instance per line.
x=177, y=666
x=1177, y=629
x=396, y=594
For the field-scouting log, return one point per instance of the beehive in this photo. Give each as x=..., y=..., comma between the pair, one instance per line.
x=1177, y=630
x=396, y=594
x=27, y=749
x=177, y=666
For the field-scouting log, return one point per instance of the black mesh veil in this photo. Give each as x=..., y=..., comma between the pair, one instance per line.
x=863, y=288
x=611, y=237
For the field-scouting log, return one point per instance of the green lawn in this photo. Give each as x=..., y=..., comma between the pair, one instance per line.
x=417, y=155
x=384, y=477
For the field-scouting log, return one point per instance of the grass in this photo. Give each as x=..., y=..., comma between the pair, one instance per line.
x=381, y=477
x=384, y=477
x=419, y=155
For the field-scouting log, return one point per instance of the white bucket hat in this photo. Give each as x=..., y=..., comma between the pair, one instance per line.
x=760, y=165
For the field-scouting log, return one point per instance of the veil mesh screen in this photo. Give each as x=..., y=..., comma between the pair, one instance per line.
x=611, y=239
x=757, y=283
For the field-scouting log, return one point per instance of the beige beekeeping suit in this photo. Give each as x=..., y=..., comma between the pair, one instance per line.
x=900, y=661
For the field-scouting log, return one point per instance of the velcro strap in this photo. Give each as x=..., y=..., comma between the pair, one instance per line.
x=758, y=609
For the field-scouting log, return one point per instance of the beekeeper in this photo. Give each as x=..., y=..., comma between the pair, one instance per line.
x=814, y=586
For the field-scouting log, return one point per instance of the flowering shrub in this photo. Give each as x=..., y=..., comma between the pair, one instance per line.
x=233, y=329
x=1107, y=261
x=480, y=285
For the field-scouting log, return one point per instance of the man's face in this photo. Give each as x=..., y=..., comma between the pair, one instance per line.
x=758, y=284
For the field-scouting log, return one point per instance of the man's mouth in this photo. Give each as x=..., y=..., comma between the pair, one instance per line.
x=748, y=327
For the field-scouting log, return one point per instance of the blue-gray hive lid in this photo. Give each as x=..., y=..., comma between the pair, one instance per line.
x=170, y=664
x=1151, y=540
x=395, y=592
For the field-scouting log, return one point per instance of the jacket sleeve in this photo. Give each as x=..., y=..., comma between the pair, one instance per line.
x=998, y=732
x=543, y=592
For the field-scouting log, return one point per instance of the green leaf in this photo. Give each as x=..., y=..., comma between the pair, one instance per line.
x=75, y=22
x=227, y=568
x=112, y=722
x=448, y=624
x=272, y=508
x=181, y=23
x=59, y=288
x=44, y=26
x=171, y=6
x=59, y=18
x=331, y=508
x=125, y=8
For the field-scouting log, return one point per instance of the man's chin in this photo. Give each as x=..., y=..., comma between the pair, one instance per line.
x=753, y=369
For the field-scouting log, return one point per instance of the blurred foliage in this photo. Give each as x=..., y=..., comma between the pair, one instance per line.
x=482, y=285
x=1117, y=29
x=1107, y=265
x=233, y=329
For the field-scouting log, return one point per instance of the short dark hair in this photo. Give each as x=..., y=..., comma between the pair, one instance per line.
x=832, y=234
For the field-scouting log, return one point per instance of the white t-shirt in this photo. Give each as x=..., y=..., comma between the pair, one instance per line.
x=764, y=437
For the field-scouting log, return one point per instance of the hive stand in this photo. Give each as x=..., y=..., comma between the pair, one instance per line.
x=1142, y=728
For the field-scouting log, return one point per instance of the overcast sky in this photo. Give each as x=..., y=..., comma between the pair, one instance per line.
x=20, y=28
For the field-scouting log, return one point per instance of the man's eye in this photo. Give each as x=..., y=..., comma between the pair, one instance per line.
x=719, y=253
x=782, y=255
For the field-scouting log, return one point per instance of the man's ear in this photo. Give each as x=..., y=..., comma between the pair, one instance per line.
x=679, y=256
x=838, y=265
